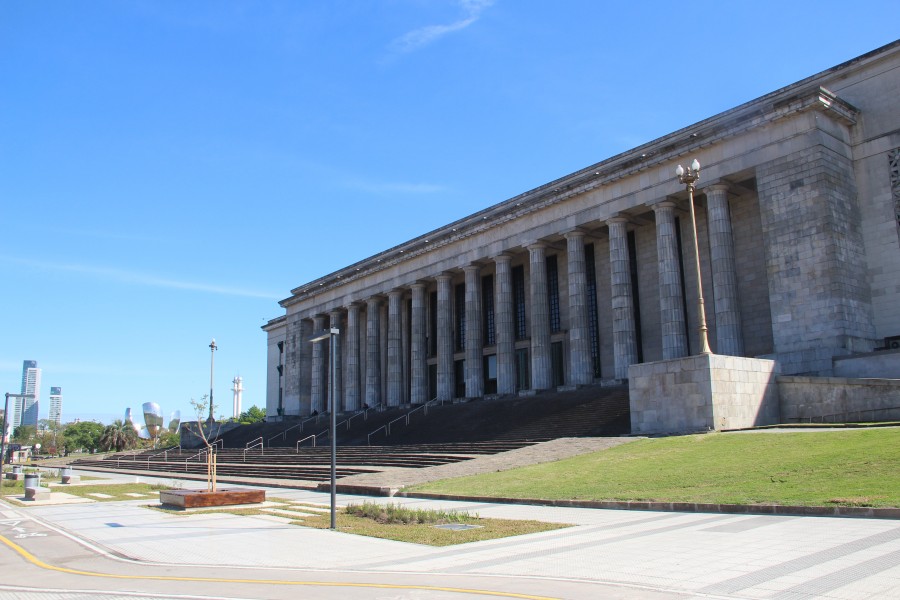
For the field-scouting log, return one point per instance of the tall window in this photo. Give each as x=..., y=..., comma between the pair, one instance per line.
x=518, y=281
x=553, y=292
x=432, y=324
x=460, y=317
x=487, y=305
x=635, y=296
x=593, y=319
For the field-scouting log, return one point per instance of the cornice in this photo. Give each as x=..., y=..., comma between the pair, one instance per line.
x=797, y=98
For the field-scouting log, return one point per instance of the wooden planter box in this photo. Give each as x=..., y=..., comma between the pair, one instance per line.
x=221, y=497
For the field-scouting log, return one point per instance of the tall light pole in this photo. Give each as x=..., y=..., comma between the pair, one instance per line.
x=332, y=335
x=212, y=364
x=688, y=178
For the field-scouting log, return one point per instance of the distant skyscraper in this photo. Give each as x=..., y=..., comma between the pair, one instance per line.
x=238, y=389
x=26, y=409
x=55, y=414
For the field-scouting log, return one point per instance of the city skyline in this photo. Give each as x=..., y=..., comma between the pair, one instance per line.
x=176, y=159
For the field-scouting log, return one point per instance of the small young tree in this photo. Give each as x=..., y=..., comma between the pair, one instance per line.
x=201, y=408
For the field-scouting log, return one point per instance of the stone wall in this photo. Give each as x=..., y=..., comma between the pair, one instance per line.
x=817, y=399
x=702, y=393
x=878, y=365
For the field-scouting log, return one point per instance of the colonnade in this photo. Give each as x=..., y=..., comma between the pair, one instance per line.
x=373, y=371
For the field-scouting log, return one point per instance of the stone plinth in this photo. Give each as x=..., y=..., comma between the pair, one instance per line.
x=221, y=497
x=702, y=393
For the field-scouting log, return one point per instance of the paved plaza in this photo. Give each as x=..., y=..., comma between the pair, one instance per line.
x=631, y=554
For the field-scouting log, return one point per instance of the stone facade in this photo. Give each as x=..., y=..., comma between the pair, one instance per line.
x=588, y=277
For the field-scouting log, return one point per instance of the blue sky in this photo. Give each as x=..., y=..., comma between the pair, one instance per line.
x=169, y=170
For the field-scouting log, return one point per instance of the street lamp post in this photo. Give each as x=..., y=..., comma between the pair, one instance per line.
x=212, y=364
x=689, y=177
x=332, y=335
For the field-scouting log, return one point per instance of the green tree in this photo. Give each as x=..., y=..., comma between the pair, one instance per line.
x=24, y=434
x=252, y=415
x=169, y=439
x=119, y=436
x=83, y=435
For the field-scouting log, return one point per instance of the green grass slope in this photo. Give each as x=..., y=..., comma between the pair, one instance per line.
x=859, y=467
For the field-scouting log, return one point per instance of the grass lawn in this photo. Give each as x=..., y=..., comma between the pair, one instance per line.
x=115, y=491
x=418, y=533
x=858, y=467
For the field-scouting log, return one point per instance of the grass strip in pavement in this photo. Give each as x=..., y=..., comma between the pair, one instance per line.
x=856, y=467
x=115, y=491
x=415, y=533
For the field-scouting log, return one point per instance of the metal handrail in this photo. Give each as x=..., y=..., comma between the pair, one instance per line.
x=387, y=427
x=164, y=453
x=258, y=442
x=282, y=434
x=304, y=439
x=364, y=413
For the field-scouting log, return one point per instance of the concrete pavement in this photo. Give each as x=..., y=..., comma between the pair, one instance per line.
x=626, y=554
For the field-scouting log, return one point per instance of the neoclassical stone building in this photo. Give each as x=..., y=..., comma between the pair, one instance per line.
x=573, y=283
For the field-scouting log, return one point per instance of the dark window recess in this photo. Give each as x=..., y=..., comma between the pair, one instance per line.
x=553, y=292
x=635, y=296
x=460, y=307
x=432, y=324
x=593, y=317
x=681, y=274
x=518, y=281
x=490, y=374
x=459, y=376
x=487, y=305
x=557, y=364
x=432, y=381
x=523, y=376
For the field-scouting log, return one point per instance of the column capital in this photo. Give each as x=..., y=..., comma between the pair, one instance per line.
x=472, y=267
x=445, y=276
x=503, y=257
x=418, y=285
x=666, y=203
x=717, y=187
x=574, y=232
x=617, y=219
x=539, y=245
x=396, y=292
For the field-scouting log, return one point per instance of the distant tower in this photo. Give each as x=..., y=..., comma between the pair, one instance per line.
x=238, y=390
x=25, y=411
x=55, y=414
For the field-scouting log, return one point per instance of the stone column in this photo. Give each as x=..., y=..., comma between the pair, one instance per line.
x=474, y=344
x=418, y=347
x=444, y=338
x=540, y=318
x=337, y=385
x=394, y=368
x=671, y=294
x=503, y=324
x=580, y=364
x=319, y=367
x=373, y=352
x=624, y=337
x=304, y=352
x=351, y=376
x=292, y=372
x=729, y=337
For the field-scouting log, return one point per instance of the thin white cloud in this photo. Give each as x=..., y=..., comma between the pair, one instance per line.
x=137, y=278
x=395, y=188
x=418, y=38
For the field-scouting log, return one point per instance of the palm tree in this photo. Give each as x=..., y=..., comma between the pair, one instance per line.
x=119, y=436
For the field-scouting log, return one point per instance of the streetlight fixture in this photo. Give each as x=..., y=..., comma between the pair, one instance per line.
x=212, y=363
x=5, y=421
x=688, y=178
x=332, y=335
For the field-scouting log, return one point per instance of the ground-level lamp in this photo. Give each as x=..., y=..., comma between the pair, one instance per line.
x=5, y=421
x=688, y=178
x=332, y=335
